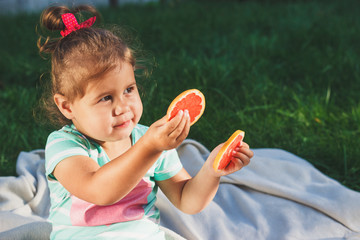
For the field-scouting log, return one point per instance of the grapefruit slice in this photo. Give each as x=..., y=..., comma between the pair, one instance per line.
x=224, y=156
x=193, y=100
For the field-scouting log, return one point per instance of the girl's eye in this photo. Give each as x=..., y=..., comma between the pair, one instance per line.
x=107, y=98
x=129, y=90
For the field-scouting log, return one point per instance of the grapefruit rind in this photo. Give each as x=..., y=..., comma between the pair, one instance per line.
x=180, y=97
x=223, y=157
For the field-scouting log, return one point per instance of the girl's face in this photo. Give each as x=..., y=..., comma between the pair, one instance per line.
x=110, y=108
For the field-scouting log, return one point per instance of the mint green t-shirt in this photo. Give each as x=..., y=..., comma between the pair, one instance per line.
x=133, y=217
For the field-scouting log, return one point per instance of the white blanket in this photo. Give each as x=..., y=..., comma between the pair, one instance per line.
x=277, y=196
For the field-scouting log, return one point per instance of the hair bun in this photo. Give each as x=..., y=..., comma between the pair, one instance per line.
x=51, y=20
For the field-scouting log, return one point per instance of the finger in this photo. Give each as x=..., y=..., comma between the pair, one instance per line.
x=242, y=157
x=244, y=145
x=247, y=151
x=186, y=128
x=175, y=121
x=183, y=120
x=180, y=127
x=235, y=165
x=243, y=152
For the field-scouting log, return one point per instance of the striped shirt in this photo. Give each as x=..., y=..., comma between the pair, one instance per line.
x=133, y=217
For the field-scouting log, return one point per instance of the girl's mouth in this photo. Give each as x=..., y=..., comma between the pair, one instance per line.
x=123, y=125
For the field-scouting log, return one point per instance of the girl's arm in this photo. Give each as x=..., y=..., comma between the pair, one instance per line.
x=191, y=195
x=105, y=185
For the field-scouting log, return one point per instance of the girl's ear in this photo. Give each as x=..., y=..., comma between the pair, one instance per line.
x=64, y=105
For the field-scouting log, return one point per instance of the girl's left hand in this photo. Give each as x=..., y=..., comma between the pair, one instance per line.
x=241, y=158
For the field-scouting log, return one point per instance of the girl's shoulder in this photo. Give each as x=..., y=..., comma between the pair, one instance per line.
x=63, y=143
x=68, y=132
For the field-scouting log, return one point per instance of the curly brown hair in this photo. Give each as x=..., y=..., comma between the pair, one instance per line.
x=78, y=58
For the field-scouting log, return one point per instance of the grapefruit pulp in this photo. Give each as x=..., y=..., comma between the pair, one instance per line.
x=224, y=156
x=193, y=100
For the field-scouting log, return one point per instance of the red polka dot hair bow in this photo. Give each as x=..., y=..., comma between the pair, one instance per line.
x=72, y=25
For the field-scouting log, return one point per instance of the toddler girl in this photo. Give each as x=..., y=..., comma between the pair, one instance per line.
x=103, y=167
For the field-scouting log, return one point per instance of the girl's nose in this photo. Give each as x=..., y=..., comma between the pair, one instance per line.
x=121, y=108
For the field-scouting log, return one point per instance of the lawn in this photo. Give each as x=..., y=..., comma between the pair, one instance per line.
x=285, y=72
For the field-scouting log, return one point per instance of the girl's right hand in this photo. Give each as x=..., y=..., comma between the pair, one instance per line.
x=164, y=135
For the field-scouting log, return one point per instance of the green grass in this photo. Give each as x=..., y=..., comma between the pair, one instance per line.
x=286, y=72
